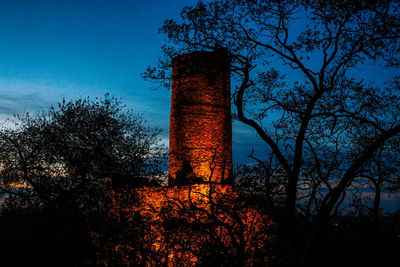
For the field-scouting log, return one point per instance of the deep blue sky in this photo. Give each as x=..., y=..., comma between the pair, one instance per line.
x=54, y=49
x=57, y=49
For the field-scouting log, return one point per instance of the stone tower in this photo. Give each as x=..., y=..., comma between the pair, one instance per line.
x=200, y=147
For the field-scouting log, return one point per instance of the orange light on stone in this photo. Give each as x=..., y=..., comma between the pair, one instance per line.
x=173, y=216
x=200, y=122
x=199, y=211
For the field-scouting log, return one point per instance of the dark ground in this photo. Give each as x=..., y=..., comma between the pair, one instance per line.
x=38, y=237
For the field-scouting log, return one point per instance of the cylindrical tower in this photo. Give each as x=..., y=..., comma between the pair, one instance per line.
x=200, y=146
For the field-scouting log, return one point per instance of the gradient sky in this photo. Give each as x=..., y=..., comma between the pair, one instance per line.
x=50, y=50
x=55, y=49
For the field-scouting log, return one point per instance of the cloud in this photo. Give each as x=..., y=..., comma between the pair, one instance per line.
x=18, y=96
x=20, y=103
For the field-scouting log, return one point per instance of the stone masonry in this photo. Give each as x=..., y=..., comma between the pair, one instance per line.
x=200, y=121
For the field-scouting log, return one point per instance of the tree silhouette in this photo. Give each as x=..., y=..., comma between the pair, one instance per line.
x=57, y=167
x=78, y=148
x=323, y=123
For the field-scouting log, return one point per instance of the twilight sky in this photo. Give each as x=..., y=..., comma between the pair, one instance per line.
x=65, y=48
x=54, y=49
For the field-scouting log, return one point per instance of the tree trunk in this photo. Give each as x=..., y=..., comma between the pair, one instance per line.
x=291, y=223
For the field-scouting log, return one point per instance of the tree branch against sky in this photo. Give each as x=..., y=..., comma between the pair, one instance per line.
x=300, y=78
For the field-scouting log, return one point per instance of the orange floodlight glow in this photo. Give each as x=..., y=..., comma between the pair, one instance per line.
x=180, y=224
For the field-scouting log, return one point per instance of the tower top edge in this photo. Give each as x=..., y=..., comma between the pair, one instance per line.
x=221, y=54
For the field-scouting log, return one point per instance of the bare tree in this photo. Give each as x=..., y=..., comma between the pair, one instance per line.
x=295, y=64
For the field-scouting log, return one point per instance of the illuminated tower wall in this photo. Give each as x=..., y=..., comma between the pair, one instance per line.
x=200, y=122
